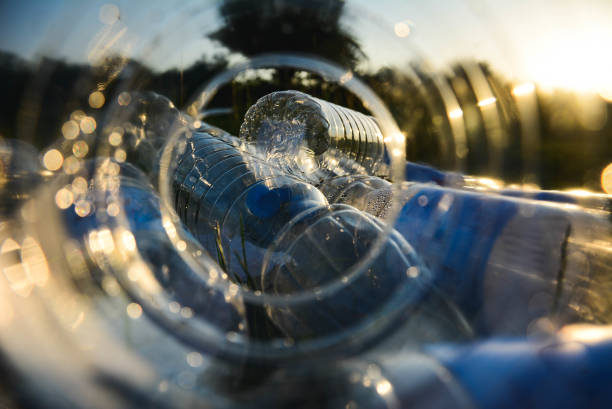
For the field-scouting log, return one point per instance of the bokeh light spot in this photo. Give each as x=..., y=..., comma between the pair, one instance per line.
x=413, y=272
x=79, y=185
x=120, y=155
x=80, y=149
x=124, y=99
x=112, y=209
x=402, y=29
x=606, y=179
x=77, y=115
x=96, y=99
x=53, y=159
x=134, y=311
x=63, y=198
x=88, y=125
x=194, y=359
x=109, y=14
x=186, y=312
x=383, y=387
x=82, y=208
x=115, y=138
x=70, y=129
x=174, y=307
x=71, y=165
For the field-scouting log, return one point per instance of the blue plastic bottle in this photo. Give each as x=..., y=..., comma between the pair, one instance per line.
x=505, y=261
x=277, y=234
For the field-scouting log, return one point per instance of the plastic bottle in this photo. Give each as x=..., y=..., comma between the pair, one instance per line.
x=476, y=226
x=570, y=369
x=290, y=123
x=273, y=233
x=507, y=262
x=283, y=238
x=122, y=206
x=229, y=198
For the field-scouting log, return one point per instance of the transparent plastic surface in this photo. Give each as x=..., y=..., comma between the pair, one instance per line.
x=303, y=204
x=481, y=245
x=265, y=226
x=292, y=124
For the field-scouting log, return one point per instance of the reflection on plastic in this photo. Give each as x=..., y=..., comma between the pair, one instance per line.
x=481, y=245
x=292, y=272
x=275, y=234
x=285, y=123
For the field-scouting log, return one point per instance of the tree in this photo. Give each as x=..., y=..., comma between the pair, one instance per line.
x=302, y=26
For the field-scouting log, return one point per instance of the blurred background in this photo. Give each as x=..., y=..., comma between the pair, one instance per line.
x=510, y=90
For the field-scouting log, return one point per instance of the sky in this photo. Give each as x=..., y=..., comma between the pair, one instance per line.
x=556, y=43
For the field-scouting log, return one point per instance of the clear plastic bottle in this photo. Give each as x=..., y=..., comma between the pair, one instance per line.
x=290, y=123
x=233, y=201
x=509, y=263
x=286, y=124
x=320, y=272
x=121, y=205
x=277, y=234
x=568, y=369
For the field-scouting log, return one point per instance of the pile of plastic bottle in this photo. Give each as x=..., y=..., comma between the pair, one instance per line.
x=282, y=267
